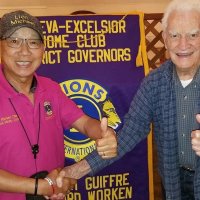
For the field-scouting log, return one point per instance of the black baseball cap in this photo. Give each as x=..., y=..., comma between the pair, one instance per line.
x=10, y=22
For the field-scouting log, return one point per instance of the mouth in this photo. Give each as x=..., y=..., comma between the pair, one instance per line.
x=184, y=54
x=23, y=63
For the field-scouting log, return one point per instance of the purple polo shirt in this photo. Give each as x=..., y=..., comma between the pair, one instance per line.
x=51, y=113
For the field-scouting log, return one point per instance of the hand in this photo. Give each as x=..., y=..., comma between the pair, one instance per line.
x=65, y=172
x=107, y=145
x=195, y=135
x=59, y=192
x=76, y=171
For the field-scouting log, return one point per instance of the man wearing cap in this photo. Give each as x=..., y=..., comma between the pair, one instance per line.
x=32, y=117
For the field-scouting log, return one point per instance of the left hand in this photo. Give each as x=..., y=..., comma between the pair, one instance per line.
x=107, y=145
x=195, y=135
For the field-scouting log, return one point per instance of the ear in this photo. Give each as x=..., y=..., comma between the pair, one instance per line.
x=164, y=35
x=44, y=47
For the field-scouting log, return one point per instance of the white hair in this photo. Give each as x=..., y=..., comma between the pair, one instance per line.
x=179, y=5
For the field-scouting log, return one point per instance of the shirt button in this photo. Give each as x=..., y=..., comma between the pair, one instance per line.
x=184, y=116
x=185, y=97
x=182, y=152
x=183, y=134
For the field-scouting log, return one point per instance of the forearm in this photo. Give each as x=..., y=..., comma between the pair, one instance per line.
x=96, y=162
x=77, y=170
x=10, y=182
x=88, y=126
x=93, y=129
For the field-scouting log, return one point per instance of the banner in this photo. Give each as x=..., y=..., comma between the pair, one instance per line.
x=99, y=61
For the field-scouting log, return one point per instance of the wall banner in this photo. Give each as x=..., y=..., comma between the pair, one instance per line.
x=99, y=61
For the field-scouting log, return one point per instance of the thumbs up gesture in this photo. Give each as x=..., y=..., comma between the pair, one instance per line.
x=107, y=144
x=195, y=135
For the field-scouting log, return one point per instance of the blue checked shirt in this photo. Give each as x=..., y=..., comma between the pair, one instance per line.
x=154, y=103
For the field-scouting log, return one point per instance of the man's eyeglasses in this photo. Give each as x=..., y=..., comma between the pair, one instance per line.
x=17, y=42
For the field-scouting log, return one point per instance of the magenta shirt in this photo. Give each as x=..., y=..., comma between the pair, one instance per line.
x=56, y=112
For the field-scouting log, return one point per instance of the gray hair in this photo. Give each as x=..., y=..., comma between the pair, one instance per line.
x=179, y=5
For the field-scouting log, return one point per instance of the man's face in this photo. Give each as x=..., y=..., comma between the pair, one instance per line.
x=22, y=61
x=182, y=39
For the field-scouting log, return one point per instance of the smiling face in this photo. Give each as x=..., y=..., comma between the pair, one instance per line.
x=20, y=63
x=182, y=40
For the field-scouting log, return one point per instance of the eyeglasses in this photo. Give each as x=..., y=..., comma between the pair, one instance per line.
x=14, y=42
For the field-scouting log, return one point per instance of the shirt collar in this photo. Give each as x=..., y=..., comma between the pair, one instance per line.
x=196, y=77
x=33, y=85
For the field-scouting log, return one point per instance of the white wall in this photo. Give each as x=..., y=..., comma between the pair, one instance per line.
x=65, y=7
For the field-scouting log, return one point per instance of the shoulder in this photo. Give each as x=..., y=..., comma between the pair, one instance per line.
x=157, y=79
x=164, y=71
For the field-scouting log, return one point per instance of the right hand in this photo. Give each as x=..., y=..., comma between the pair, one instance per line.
x=75, y=171
x=59, y=192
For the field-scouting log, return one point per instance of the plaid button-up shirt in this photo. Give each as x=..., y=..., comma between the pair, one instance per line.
x=154, y=103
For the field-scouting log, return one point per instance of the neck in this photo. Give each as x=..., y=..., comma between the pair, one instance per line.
x=22, y=85
x=186, y=74
x=24, y=88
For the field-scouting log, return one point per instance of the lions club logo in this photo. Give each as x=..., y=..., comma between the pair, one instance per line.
x=94, y=101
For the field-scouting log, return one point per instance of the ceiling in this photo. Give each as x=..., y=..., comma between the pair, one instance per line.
x=63, y=7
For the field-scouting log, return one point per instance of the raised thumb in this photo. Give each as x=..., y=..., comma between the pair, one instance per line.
x=104, y=125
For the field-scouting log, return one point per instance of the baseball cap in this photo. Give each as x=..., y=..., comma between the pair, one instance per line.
x=10, y=22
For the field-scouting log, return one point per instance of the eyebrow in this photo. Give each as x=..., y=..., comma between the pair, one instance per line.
x=31, y=38
x=191, y=32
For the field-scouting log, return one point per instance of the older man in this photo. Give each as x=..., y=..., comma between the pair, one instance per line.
x=169, y=97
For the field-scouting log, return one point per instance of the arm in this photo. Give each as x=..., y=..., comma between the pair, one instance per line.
x=106, y=147
x=10, y=182
x=91, y=127
x=94, y=162
x=136, y=127
x=126, y=142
